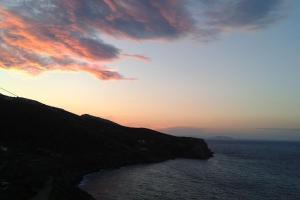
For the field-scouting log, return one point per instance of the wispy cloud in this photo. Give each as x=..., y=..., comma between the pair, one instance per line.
x=137, y=57
x=42, y=35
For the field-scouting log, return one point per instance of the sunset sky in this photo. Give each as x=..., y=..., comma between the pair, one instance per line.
x=213, y=65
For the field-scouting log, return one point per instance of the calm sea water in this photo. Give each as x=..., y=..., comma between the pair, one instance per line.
x=242, y=170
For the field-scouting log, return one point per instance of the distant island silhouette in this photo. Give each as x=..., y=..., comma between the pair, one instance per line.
x=45, y=151
x=221, y=138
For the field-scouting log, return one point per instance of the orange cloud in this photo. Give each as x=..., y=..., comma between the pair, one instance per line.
x=36, y=48
x=38, y=36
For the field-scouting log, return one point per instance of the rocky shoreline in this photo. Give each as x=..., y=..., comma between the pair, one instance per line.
x=45, y=151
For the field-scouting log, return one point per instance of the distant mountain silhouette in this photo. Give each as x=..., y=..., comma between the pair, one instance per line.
x=44, y=151
x=221, y=138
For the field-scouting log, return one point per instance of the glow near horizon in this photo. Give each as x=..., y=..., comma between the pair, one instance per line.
x=244, y=80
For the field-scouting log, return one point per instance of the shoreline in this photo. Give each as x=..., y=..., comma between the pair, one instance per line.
x=81, y=177
x=51, y=143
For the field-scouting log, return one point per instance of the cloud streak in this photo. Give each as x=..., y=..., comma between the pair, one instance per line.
x=43, y=35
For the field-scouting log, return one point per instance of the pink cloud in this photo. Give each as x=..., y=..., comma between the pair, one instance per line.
x=38, y=36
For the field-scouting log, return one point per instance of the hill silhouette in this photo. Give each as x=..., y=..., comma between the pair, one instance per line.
x=46, y=150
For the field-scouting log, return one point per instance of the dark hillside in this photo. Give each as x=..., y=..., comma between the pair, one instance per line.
x=43, y=148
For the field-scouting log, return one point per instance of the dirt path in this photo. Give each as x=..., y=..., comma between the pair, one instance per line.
x=44, y=192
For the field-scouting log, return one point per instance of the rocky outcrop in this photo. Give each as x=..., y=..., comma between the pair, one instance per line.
x=46, y=150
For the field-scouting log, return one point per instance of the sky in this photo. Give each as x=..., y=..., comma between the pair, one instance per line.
x=190, y=67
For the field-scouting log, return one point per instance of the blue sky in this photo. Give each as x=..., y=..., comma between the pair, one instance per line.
x=242, y=76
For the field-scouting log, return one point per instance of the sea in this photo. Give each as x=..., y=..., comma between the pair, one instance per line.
x=239, y=170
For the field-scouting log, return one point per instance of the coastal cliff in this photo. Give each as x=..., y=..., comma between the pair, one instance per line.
x=44, y=151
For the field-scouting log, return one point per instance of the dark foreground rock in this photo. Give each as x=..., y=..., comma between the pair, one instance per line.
x=44, y=151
